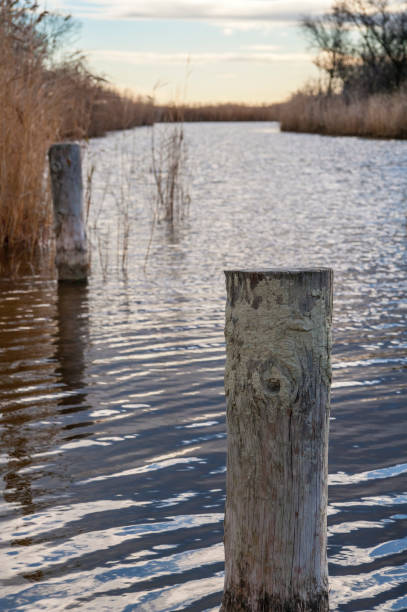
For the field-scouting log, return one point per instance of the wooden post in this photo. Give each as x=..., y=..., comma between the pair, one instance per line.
x=66, y=181
x=277, y=384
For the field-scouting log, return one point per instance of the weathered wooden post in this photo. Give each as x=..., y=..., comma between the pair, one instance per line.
x=277, y=384
x=67, y=192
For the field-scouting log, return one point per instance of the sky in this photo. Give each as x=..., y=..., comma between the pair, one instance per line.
x=192, y=51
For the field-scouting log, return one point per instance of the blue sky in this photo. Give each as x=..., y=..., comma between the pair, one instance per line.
x=198, y=50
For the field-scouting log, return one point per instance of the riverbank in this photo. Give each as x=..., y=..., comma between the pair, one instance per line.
x=376, y=116
x=229, y=111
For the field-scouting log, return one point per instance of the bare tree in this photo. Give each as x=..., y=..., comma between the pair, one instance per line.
x=328, y=35
x=362, y=45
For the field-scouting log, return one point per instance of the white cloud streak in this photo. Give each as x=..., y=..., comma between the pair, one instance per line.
x=153, y=58
x=228, y=11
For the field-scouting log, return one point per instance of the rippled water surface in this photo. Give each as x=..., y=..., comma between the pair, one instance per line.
x=111, y=395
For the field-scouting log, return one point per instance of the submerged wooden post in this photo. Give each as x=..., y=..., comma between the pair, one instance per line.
x=277, y=384
x=67, y=192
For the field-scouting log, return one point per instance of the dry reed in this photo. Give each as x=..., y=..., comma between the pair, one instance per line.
x=42, y=103
x=219, y=112
x=93, y=107
x=377, y=116
x=28, y=125
x=169, y=168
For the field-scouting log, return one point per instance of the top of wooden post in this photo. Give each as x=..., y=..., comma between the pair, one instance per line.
x=312, y=275
x=301, y=283
x=66, y=143
x=275, y=272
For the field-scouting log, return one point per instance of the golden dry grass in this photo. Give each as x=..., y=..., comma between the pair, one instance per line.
x=29, y=123
x=113, y=110
x=41, y=105
x=378, y=116
x=92, y=107
x=219, y=112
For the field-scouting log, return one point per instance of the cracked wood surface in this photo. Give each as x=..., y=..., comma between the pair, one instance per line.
x=66, y=181
x=277, y=383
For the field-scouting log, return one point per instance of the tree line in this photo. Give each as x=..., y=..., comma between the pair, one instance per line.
x=361, y=45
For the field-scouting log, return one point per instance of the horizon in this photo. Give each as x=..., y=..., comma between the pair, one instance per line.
x=197, y=52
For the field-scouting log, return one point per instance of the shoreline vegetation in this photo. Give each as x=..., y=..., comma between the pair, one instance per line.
x=361, y=52
x=382, y=115
x=46, y=95
x=227, y=111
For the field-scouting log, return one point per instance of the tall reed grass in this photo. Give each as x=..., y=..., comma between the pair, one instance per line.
x=377, y=116
x=93, y=107
x=169, y=163
x=42, y=102
x=29, y=122
x=219, y=112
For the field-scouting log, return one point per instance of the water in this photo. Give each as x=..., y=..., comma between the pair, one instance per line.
x=113, y=412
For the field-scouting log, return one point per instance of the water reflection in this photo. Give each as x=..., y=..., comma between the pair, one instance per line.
x=28, y=384
x=43, y=334
x=72, y=341
x=112, y=394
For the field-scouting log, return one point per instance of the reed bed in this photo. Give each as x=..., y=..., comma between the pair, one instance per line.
x=218, y=112
x=29, y=123
x=377, y=116
x=113, y=110
x=43, y=102
x=93, y=107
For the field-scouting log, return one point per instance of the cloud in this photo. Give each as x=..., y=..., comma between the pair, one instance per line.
x=153, y=58
x=233, y=12
x=256, y=10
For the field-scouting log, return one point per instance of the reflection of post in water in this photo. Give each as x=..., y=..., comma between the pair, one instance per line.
x=43, y=334
x=27, y=383
x=72, y=310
